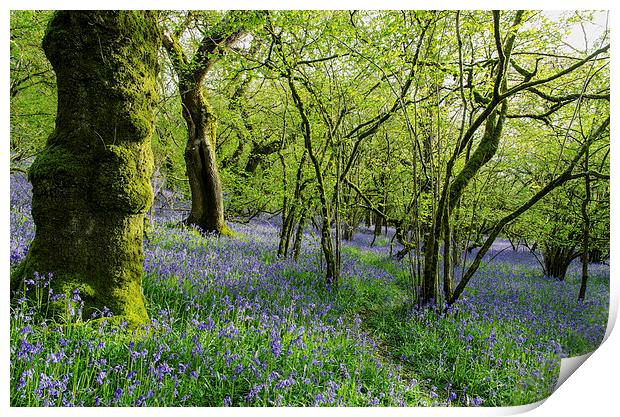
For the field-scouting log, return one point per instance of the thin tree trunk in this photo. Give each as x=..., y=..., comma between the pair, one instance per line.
x=287, y=230
x=453, y=189
x=299, y=235
x=447, y=265
x=338, y=237
x=585, y=249
x=331, y=271
x=282, y=246
x=289, y=214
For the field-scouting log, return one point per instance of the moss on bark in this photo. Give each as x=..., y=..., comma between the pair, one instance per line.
x=207, y=212
x=91, y=184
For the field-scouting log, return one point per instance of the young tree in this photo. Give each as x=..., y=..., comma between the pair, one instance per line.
x=466, y=159
x=91, y=183
x=567, y=175
x=342, y=96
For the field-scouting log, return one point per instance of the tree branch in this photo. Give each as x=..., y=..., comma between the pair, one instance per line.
x=500, y=224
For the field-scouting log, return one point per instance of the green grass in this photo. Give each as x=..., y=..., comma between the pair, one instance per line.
x=435, y=348
x=214, y=343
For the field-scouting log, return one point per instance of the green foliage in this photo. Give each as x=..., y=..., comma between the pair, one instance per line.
x=350, y=67
x=33, y=90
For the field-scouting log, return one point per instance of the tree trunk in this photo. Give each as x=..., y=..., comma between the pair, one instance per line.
x=91, y=183
x=288, y=225
x=378, y=222
x=452, y=192
x=331, y=271
x=332, y=277
x=447, y=264
x=348, y=231
x=207, y=211
x=585, y=243
x=556, y=260
x=289, y=215
x=430, y=274
x=299, y=235
x=494, y=119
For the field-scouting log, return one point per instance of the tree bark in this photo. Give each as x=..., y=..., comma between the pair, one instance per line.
x=585, y=243
x=288, y=225
x=378, y=222
x=91, y=183
x=207, y=211
x=299, y=235
x=557, y=259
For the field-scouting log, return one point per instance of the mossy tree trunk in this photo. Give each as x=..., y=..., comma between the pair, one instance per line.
x=91, y=183
x=378, y=221
x=348, y=231
x=299, y=235
x=207, y=212
x=291, y=210
x=200, y=159
x=493, y=118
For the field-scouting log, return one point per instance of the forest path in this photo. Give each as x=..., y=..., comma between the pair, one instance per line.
x=380, y=316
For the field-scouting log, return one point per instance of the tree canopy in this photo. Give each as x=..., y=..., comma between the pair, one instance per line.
x=454, y=127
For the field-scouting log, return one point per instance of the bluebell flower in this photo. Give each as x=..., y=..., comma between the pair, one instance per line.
x=117, y=394
x=318, y=399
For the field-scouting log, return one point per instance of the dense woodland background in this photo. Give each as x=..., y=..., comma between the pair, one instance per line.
x=462, y=153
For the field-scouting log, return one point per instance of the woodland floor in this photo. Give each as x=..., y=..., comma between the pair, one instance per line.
x=235, y=325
